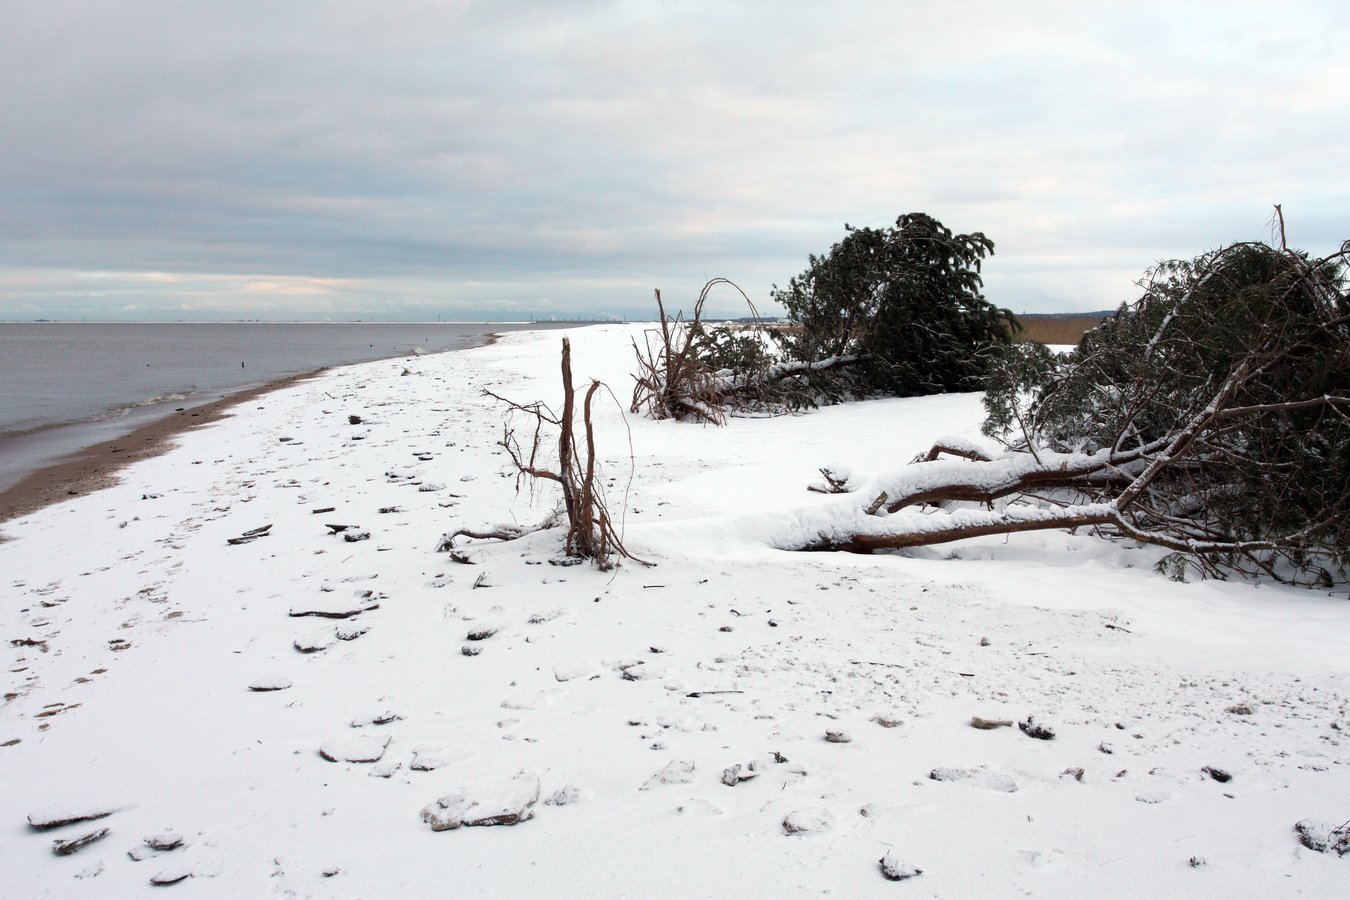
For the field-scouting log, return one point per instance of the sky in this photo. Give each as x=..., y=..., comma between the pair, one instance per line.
x=410, y=160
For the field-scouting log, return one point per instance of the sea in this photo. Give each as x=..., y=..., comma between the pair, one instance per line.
x=65, y=386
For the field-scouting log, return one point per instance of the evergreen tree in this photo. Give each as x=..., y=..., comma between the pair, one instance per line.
x=906, y=301
x=1236, y=367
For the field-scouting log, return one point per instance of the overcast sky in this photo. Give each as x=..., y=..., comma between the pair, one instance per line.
x=280, y=159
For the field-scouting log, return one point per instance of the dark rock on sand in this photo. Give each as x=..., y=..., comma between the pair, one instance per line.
x=896, y=869
x=1038, y=730
x=1323, y=836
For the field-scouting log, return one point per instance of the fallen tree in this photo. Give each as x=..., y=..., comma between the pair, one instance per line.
x=690, y=371
x=1211, y=418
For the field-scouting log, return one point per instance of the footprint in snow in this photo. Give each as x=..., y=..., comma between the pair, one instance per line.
x=317, y=640
x=571, y=670
x=979, y=777
x=812, y=820
x=677, y=771
x=429, y=757
x=527, y=701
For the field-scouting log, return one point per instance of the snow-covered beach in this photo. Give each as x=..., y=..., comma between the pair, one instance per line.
x=69, y=386
x=733, y=721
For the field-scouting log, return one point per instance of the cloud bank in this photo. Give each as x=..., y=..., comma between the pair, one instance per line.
x=408, y=160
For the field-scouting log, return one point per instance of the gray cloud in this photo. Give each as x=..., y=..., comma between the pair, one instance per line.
x=409, y=159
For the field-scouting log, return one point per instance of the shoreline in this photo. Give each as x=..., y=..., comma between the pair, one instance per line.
x=95, y=467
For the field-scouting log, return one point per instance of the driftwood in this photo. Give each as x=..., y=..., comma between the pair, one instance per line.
x=74, y=845
x=251, y=535
x=590, y=530
x=496, y=533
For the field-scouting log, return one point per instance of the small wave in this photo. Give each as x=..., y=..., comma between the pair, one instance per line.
x=162, y=398
x=23, y=428
x=123, y=410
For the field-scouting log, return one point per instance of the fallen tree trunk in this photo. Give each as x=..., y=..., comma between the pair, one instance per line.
x=936, y=480
x=928, y=501
x=945, y=527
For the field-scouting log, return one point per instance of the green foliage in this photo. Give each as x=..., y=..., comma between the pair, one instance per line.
x=906, y=300
x=1245, y=349
x=736, y=349
x=1018, y=372
x=1172, y=567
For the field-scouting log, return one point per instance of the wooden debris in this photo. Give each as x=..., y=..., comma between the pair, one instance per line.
x=250, y=535
x=989, y=724
x=65, y=848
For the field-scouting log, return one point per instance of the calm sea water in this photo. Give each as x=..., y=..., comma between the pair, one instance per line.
x=64, y=386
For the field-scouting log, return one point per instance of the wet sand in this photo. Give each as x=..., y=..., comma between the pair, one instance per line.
x=96, y=467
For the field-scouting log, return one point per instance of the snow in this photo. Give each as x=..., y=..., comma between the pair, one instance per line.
x=993, y=781
x=274, y=683
x=727, y=653
x=896, y=869
x=69, y=812
x=336, y=608
x=508, y=801
x=171, y=875
x=166, y=841
x=812, y=820
x=355, y=748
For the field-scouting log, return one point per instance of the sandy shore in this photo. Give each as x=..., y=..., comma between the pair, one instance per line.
x=335, y=708
x=94, y=468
